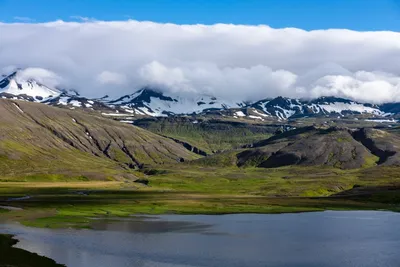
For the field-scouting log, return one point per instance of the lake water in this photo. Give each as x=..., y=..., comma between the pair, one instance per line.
x=353, y=238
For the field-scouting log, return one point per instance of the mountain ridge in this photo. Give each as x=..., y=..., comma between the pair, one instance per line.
x=150, y=102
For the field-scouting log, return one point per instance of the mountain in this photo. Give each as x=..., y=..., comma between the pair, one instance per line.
x=38, y=139
x=336, y=147
x=207, y=134
x=72, y=101
x=15, y=86
x=284, y=108
x=154, y=103
x=149, y=102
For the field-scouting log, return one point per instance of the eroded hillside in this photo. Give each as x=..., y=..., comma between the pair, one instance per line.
x=36, y=138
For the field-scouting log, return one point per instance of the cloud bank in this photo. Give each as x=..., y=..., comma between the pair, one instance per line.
x=232, y=61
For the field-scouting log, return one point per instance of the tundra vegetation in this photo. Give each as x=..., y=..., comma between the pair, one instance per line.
x=63, y=168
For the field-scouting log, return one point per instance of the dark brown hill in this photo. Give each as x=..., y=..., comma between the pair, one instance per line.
x=337, y=147
x=310, y=146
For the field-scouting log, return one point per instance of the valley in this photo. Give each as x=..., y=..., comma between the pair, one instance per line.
x=60, y=168
x=199, y=133
x=67, y=159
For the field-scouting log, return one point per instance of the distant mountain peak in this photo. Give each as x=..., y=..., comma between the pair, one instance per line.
x=153, y=102
x=149, y=101
x=147, y=93
x=331, y=99
x=14, y=85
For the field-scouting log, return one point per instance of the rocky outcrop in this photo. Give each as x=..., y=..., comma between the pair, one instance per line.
x=309, y=146
x=381, y=143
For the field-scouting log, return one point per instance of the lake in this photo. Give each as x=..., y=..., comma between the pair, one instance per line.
x=331, y=238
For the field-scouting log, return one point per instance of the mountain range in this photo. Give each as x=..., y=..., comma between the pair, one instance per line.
x=152, y=102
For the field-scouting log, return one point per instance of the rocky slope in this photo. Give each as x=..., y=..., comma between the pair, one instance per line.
x=383, y=144
x=311, y=146
x=336, y=147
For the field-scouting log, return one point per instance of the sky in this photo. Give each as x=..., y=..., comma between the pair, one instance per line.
x=242, y=50
x=305, y=14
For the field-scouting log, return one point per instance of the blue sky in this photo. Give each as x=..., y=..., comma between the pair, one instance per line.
x=361, y=15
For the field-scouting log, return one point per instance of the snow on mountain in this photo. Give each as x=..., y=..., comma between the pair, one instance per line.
x=150, y=102
x=72, y=101
x=16, y=86
x=28, y=89
x=153, y=103
x=284, y=108
x=342, y=106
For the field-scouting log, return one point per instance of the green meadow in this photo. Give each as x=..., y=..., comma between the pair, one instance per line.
x=197, y=189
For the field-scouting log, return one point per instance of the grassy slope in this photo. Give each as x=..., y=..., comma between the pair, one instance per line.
x=46, y=143
x=209, y=136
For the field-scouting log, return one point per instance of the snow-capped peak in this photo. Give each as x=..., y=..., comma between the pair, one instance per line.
x=285, y=108
x=155, y=103
x=15, y=85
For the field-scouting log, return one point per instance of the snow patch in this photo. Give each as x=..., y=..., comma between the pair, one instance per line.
x=339, y=107
x=20, y=110
x=76, y=103
x=88, y=134
x=115, y=114
x=382, y=121
x=259, y=113
x=286, y=113
x=240, y=114
x=63, y=101
x=256, y=117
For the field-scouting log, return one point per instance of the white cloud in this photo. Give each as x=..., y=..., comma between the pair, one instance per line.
x=43, y=76
x=233, y=61
x=363, y=86
x=108, y=77
x=229, y=82
x=157, y=75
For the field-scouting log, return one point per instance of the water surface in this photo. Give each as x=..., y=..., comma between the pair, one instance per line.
x=354, y=238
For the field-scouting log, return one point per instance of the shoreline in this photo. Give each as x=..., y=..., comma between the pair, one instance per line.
x=12, y=256
x=71, y=222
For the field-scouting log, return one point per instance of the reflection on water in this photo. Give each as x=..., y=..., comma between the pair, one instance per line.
x=146, y=224
x=12, y=208
x=308, y=239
